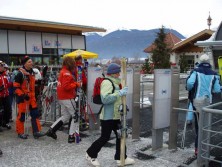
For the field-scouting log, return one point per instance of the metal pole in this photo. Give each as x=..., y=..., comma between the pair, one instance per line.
x=199, y=104
x=174, y=103
x=142, y=93
x=136, y=106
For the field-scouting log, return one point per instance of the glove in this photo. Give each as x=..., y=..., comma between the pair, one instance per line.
x=2, y=88
x=79, y=84
x=123, y=91
x=26, y=97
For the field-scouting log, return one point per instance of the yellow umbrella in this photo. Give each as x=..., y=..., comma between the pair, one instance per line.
x=83, y=53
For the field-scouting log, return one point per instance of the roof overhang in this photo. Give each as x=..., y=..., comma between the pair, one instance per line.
x=188, y=44
x=208, y=44
x=45, y=26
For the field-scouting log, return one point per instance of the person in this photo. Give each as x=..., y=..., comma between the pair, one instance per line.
x=38, y=81
x=10, y=87
x=201, y=83
x=66, y=92
x=24, y=84
x=1, y=153
x=79, y=62
x=4, y=98
x=110, y=116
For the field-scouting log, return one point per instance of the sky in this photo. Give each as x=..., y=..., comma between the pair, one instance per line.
x=188, y=17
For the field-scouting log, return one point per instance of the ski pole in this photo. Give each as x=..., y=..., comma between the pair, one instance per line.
x=26, y=119
x=92, y=114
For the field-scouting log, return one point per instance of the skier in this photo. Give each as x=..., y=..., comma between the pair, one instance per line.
x=24, y=84
x=66, y=91
x=79, y=62
x=5, y=107
x=202, y=82
x=110, y=116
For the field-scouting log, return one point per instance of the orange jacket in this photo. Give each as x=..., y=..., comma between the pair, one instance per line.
x=66, y=88
x=25, y=84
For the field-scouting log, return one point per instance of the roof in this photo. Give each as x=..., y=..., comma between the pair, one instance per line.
x=170, y=40
x=187, y=45
x=214, y=41
x=45, y=26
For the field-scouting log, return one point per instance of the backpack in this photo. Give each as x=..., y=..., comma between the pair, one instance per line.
x=12, y=79
x=96, y=98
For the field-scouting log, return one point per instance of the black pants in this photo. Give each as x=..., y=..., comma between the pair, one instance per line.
x=7, y=110
x=107, y=126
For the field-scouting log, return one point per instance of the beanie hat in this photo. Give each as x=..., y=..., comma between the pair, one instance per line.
x=204, y=58
x=25, y=59
x=113, y=68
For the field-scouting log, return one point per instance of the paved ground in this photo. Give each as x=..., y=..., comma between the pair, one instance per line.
x=46, y=152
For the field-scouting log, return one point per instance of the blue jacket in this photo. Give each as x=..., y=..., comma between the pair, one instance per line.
x=203, y=81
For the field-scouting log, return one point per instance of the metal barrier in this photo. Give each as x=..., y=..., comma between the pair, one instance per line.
x=146, y=93
x=51, y=109
x=209, y=132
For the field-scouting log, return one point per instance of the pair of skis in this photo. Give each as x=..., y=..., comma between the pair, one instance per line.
x=123, y=114
x=78, y=106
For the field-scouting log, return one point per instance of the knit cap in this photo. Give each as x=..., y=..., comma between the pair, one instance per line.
x=113, y=68
x=25, y=59
x=204, y=58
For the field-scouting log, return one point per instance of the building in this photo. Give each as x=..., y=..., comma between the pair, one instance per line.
x=188, y=48
x=184, y=47
x=213, y=46
x=44, y=41
x=170, y=41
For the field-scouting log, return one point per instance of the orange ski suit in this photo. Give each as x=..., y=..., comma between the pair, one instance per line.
x=24, y=84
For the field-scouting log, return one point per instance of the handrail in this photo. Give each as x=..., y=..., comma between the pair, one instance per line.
x=206, y=140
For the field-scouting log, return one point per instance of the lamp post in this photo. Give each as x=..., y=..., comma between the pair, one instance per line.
x=209, y=21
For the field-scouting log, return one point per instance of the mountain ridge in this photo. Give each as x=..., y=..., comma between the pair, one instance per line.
x=124, y=43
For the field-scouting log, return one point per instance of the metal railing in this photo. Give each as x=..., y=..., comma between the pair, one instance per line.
x=210, y=134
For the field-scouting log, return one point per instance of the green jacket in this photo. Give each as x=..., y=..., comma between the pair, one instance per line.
x=111, y=101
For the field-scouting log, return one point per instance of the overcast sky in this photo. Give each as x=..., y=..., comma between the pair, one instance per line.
x=186, y=16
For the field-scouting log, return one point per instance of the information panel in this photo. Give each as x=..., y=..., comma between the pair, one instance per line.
x=162, y=98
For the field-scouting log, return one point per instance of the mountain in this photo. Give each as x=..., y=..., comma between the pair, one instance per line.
x=123, y=43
